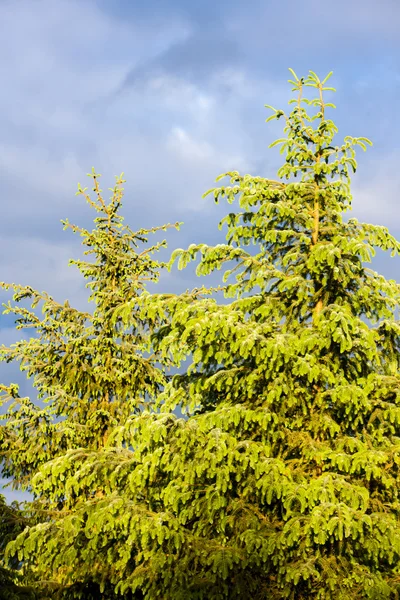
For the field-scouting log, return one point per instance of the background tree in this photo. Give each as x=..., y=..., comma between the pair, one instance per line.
x=91, y=377
x=13, y=521
x=282, y=482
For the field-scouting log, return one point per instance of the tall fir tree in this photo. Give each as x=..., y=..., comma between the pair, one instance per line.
x=282, y=482
x=90, y=376
x=291, y=485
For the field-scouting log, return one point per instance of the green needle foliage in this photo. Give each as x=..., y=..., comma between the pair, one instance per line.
x=291, y=480
x=90, y=374
x=282, y=481
x=12, y=522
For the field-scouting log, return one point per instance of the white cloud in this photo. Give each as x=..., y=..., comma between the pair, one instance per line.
x=202, y=154
x=176, y=93
x=184, y=146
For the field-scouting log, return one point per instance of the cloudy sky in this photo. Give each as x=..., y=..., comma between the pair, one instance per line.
x=172, y=93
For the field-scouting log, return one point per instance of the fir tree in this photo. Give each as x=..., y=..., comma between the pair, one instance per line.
x=291, y=479
x=282, y=481
x=91, y=376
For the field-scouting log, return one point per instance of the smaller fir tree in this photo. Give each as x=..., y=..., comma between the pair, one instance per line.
x=91, y=375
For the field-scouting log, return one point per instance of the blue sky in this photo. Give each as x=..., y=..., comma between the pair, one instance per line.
x=173, y=93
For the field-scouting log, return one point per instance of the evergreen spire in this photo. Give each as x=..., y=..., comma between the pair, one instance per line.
x=90, y=373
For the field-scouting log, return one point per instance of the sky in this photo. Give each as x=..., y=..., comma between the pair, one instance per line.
x=173, y=94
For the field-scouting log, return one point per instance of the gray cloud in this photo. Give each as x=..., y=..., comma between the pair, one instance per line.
x=194, y=59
